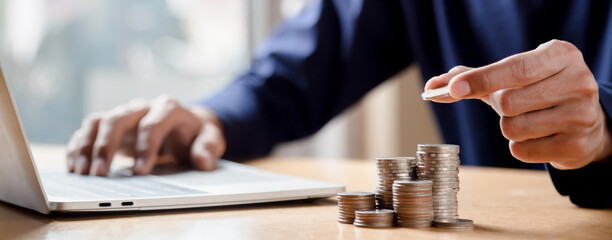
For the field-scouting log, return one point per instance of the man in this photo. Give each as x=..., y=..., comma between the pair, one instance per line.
x=549, y=97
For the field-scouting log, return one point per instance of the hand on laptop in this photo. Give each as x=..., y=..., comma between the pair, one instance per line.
x=145, y=130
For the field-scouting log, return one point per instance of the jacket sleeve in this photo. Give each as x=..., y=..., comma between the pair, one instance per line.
x=588, y=186
x=311, y=68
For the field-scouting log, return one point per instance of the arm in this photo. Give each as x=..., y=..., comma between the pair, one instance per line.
x=312, y=68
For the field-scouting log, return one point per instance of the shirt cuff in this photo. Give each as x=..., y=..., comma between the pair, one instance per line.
x=245, y=128
x=589, y=186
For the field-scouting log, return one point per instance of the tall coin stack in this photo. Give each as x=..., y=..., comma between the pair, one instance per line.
x=349, y=202
x=440, y=164
x=389, y=170
x=412, y=202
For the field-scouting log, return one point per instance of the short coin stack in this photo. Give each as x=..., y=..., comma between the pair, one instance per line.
x=459, y=224
x=349, y=202
x=412, y=202
x=379, y=218
x=391, y=169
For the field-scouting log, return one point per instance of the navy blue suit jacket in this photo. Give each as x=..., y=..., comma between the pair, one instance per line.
x=317, y=64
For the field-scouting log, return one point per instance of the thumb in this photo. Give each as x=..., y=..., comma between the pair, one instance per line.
x=443, y=80
x=208, y=147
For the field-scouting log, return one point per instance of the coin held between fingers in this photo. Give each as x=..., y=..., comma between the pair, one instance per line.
x=436, y=93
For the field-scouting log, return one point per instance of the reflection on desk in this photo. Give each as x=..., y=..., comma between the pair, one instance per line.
x=504, y=204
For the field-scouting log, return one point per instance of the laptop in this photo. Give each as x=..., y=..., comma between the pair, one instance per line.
x=22, y=184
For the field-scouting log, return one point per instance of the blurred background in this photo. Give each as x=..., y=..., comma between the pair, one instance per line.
x=66, y=58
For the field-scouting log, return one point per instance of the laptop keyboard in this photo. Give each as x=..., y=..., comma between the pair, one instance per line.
x=73, y=186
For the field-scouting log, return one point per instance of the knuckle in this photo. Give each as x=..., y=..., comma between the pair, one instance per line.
x=137, y=101
x=101, y=149
x=523, y=152
x=485, y=81
x=549, y=44
x=556, y=43
x=171, y=104
x=586, y=85
x=458, y=68
x=166, y=100
x=523, y=68
x=92, y=116
x=578, y=146
x=147, y=135
x=507, y=103
x=91, y=119
x=74, y=139
x=147, y=125
x=81, y=143
x=508, y=128
x=84, y=148
x=518, y=151
x=591, y=116
x=586, y=117
x=564, y=48
x=171, y=101
x=580, y=116
x=168, y=105
x=569, y=49
x=72, y=147
x=553, y=44
x=111, y=120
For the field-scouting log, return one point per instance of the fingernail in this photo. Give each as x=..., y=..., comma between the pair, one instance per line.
x=70, y=162
x=460, y=89
x=81, y=165
x=97, y=167
x=211, y=164
x=139, y=166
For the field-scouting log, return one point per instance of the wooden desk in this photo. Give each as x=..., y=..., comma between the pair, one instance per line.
x=504, y=204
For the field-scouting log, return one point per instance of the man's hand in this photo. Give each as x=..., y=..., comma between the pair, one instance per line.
x=548, y=102
x=145, y=130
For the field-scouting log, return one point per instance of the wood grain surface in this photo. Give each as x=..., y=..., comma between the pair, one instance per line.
x=504, y=204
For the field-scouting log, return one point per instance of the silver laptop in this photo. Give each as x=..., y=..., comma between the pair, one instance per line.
x=232, y=183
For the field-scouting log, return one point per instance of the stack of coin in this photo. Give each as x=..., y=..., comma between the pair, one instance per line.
x=412, y=202
x=459, y=224
x=349, y=202
x=379, y=218
x=440, y=164
x=391, y=169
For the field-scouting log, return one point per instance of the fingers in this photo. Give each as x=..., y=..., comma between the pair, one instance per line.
x=563, y=135
x=81, y=145
x=112, y=129
x=71, y=150
x=548, y=102
x=164, y=116
x=536, y=150
x=561, y=150
x=442, y=80
x=144, y=129
x=548, y=122
x=541, y=95
x=515, y=71
x=208, y=147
